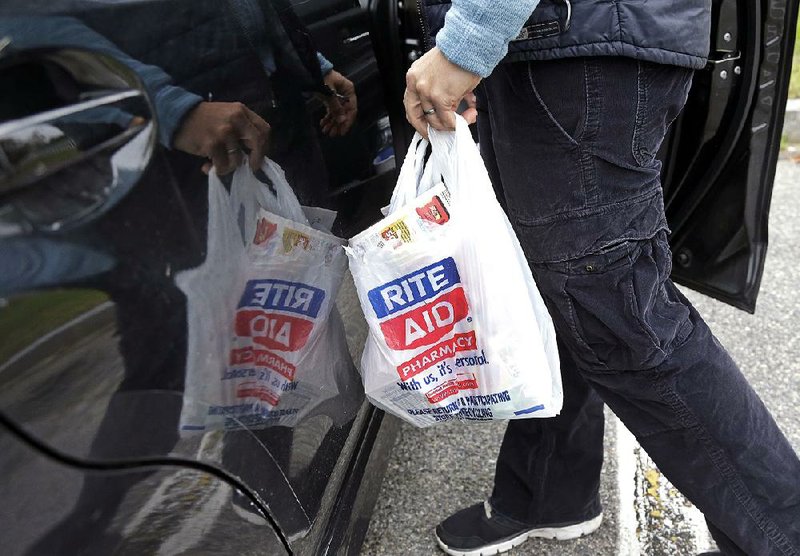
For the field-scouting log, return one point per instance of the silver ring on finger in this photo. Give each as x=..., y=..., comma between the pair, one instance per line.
x=233, y=150
x=429, y=111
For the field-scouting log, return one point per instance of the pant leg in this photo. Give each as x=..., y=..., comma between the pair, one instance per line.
x=557, y=461
x=548, y=470
x=575, y=143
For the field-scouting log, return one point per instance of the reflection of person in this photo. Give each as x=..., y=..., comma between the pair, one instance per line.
x=149, y=241
x=570, y=145
x=218, y=131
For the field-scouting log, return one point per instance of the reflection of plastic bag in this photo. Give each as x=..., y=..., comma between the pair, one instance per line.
x=458, y=329
x=258, y=308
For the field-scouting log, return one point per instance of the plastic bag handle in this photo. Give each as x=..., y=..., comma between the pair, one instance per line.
x=221, y=223
x=281, y=189
x=410, y=174
x=249, y=192
x=454, y=153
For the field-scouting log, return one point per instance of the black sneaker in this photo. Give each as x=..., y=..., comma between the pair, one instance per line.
x=478, y=531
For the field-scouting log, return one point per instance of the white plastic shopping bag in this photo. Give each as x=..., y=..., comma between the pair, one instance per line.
x=457, y=327
x=260, y=348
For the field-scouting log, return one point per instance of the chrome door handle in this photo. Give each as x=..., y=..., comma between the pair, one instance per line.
x=355, y=38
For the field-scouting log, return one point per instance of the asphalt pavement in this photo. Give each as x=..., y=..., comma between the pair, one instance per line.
x=437, y=471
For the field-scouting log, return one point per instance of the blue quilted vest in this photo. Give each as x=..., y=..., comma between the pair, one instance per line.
x=673, y=32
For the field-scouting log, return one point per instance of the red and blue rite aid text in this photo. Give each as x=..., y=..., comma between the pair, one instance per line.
x=278, y=314
x=275, y=316
x=419, y=310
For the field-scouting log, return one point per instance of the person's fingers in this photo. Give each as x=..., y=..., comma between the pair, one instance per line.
x=256, y=137
x=225, y=157
x=330, y=124
x=428, y=112
x=413, y=106
x=255, y=150
x=325, y=125
x=257, y=121
x=254, y=146
x=442, y=118
x=339, y=117
x=225, y=149
x=417, y=119
x=437, y=121
x=206, y=168
x=420, y=124
x=345, y=122
x=470, y=113
x=448, y=119
x=347, y=119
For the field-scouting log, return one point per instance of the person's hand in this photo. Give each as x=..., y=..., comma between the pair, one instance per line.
x=136, y=121
x=220, y=131
x=341, y=110
x=434, y=88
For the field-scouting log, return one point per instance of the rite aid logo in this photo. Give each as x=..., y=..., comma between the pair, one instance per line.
x=278, y=314
x=420, y=308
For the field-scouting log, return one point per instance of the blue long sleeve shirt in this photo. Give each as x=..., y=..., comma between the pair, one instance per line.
x=476, y=33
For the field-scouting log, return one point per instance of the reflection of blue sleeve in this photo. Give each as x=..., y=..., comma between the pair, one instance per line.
x=171, y=103
x=37, y=262
x=100, y=115
x=325, y=66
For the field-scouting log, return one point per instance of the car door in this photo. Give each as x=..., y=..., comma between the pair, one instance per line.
x=720, y=157
x=96, y=322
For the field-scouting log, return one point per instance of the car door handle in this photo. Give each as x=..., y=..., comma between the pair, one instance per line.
x=70, y=159
x=34, y=139
x=356, y=38
x=98, y=100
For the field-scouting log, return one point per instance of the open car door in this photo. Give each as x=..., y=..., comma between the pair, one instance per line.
x=720, y=158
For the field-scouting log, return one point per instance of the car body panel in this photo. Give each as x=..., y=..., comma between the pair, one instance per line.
x=150, y=510
x=93, y=365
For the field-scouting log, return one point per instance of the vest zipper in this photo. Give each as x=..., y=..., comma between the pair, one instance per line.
x=423, y=24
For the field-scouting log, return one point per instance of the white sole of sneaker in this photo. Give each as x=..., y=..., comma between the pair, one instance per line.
x=566, y=533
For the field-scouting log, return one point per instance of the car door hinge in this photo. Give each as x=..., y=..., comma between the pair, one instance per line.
x=722, y=63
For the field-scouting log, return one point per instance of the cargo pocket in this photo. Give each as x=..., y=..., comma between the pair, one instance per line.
x=617, y=310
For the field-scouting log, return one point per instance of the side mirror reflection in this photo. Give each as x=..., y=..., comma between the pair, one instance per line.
x=76, y=133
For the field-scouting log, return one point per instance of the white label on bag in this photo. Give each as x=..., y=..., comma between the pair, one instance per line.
x=410, y=224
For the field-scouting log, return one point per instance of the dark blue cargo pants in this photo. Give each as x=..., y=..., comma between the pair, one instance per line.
x=570, y=146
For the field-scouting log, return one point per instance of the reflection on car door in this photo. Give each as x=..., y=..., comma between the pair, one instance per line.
x=93, y=364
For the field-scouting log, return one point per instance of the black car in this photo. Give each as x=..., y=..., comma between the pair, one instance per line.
x=102, y=217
